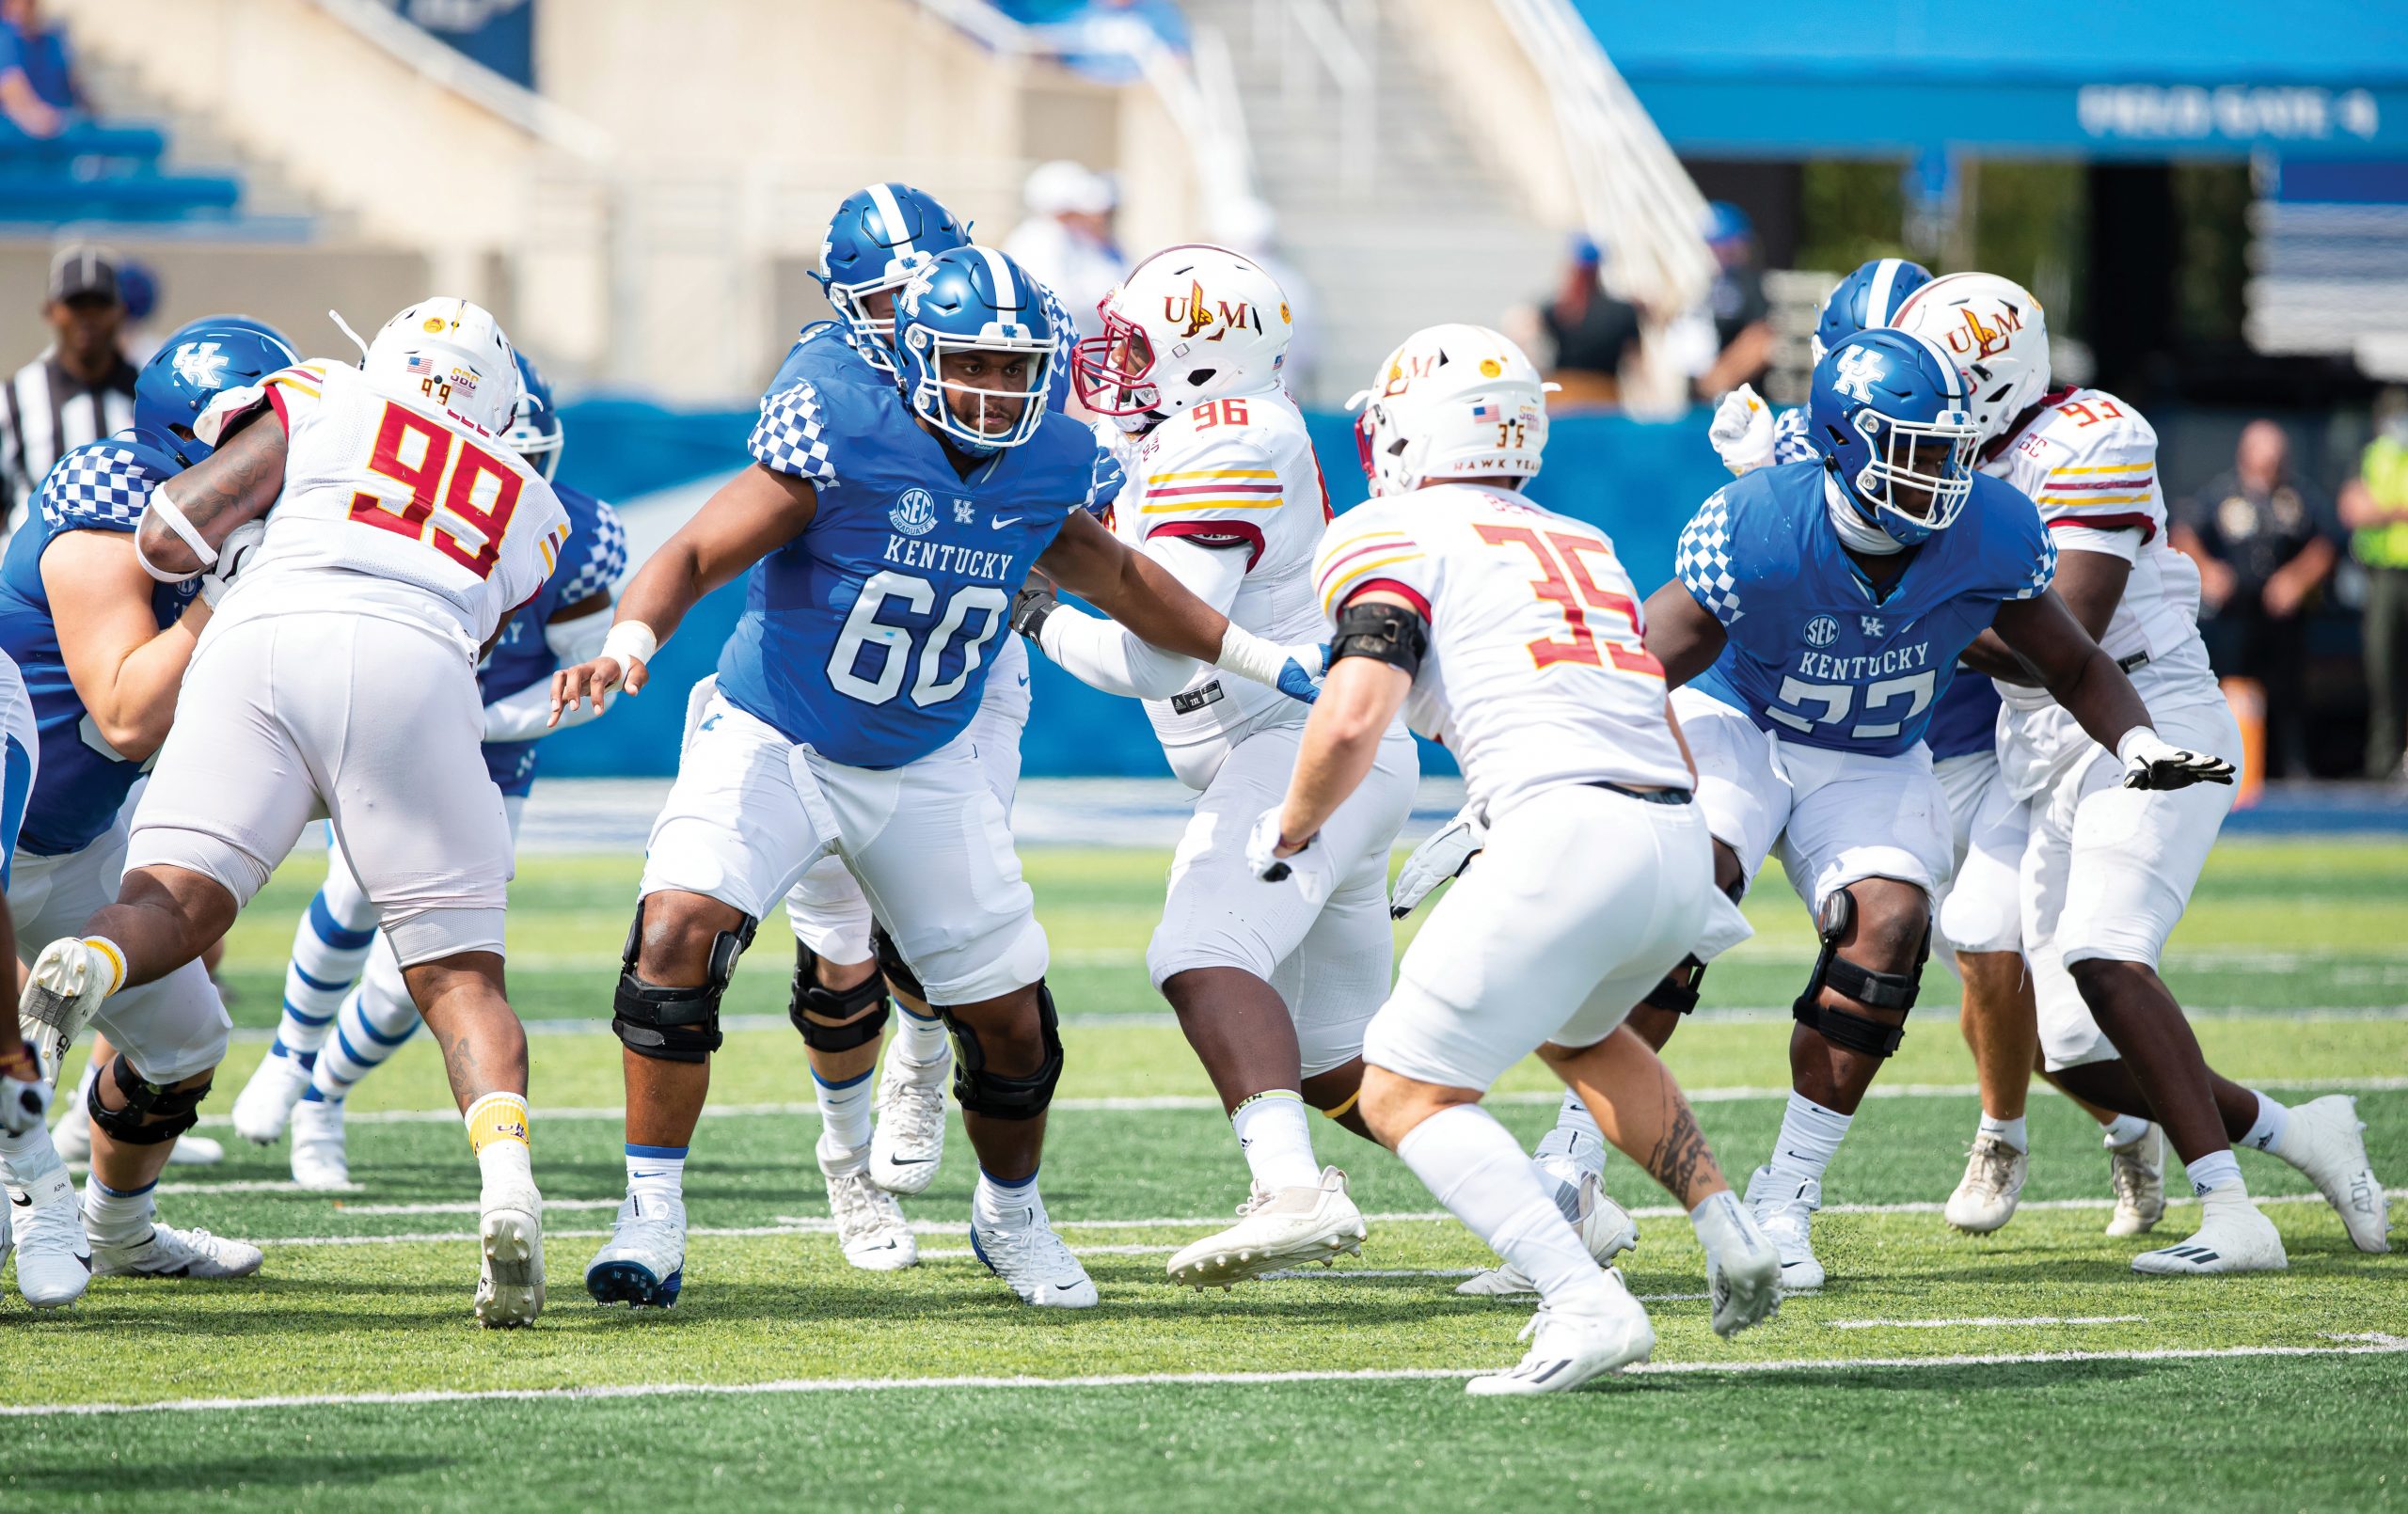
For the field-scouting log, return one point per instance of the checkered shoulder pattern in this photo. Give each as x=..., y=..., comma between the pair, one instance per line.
x=1105, y=482
x=1789, y=437
x=791, y=436
x=1703, y=561
x=2044, y=570
x=98, y=486
x=602, y=561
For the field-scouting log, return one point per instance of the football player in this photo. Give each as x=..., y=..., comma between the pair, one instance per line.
x=1821, y=608
x=2107, y=870
x=333, y=1034
x=339, y=677
x=1512, y=633
x=24, y=1085
x=886, y=524
x=1272, y=987
x=1979, y=912
x=104, y=647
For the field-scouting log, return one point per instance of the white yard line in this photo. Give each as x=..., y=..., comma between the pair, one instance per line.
x=1134, y=1379
x=1985, y=1322
x=1195, y=1103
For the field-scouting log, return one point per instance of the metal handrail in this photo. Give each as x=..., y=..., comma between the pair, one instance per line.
x=1334, y=44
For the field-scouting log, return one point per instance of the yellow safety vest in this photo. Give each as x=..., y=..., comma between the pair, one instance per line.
x=2384, y=469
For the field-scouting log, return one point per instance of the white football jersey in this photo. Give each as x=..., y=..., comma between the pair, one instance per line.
x=1238, y=475
x=2089, y=460
x=393, y=505
x=1535, y=674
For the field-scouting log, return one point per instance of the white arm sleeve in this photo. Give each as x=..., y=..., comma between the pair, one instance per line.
x=2124, y=542
x=521, y=716
x=1103, y=653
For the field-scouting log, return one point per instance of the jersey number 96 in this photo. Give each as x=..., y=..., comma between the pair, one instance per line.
x=863, y=629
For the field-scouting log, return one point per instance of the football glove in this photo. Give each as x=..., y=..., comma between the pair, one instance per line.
x=1034, y=601
x=1742, y=431
x=25, y=1095
x=241, y=544
x=2150, y=763
x=1445, y=855
x=1300, y=676
x=1263, y=857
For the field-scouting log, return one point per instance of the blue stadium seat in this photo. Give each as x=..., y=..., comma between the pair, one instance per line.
x=34, y=195
x=140, y=144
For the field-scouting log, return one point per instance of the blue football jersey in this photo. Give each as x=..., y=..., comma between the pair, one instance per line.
x=1814, y=655
x=99, y=486
x=868, y=636
x=1965, y=719
x=592, y=563
x=1790, y=443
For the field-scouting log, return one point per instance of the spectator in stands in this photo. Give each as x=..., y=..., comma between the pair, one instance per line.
x=1251, y=226
x=2264, y=543
x=79, y=389
x=1067, y=240
x=2374, y=506
x=1736, y=306
x=1587, y=331
x=38, y=89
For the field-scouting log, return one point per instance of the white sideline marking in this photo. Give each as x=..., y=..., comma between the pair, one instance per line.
x=1133, y=1379
x=1156, y=1103
x=1985, y=1322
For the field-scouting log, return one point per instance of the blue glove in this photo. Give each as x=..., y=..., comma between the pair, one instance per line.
x=1301, y=675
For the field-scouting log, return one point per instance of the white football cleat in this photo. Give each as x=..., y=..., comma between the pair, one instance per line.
x=53, y=1259
x=1275, y=1231
x=268, y=1098
x=1742, y=1267
x=909, y=1141
x=171, y=1253
x=1606, y=1228
x=1783, y=1210
x=869, y=1224
x=191, y=1150
x=510, y=1285
x=2232, y=1237
x=1985, y=1196
x=644, y=1263
x=1032, y=1260
x=320, y=1160
x=2137, y=1172
x=2326, y=1140
x=67, y=983
x=1571, y=1347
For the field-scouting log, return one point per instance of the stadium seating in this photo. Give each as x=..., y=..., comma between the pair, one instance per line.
x=103, y=172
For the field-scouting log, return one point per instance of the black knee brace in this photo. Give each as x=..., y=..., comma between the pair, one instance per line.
x=678, y=1024
x=833, y=1019
x=152, y=1115
x=1675, y=995
x=980, y=1091
x=891, y=963
x=1877, y=990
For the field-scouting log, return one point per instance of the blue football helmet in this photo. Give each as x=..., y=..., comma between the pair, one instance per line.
x=1868, y=297
x=880, y=237
x=1888, y=414
x=195, y=365
x=534, y=431
x=975, y=300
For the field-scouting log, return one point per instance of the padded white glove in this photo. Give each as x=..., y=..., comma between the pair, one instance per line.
x=24, y=1106
x=1263, y=857
x=2151, y=762
x=1445, y=855
x=1742, y=431
x=241, y=542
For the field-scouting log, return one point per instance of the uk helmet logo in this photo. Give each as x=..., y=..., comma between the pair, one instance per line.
x=1858, y=370
x=200, y=364
x=914, y=513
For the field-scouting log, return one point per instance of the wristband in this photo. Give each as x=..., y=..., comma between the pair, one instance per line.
x=1248, y=655
x=630, y=642
x=2124, y=743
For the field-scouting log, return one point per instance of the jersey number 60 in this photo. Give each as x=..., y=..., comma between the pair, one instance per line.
x=863, y=627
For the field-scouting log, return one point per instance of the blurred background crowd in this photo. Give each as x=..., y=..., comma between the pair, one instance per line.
x=1654, y=200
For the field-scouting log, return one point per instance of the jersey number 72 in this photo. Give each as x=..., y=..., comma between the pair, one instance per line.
x=447, y=471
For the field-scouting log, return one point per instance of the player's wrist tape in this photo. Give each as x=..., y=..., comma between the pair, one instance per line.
x=629, y=642
x=1248, y=655
x=2124, y=744
x=169, y=511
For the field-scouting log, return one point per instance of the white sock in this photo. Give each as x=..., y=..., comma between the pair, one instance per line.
x=1575, y=1145
x=80, y=1105
x=1473, y=1166
x=2267, y=1134
x=916, y=1038
x=116, y=1219
x=2214, y=1169
x=1810, y=1138
x=28, y=1156
x=2124, y=1129
x=657, y=1174
x=2010, y=1131
x=508, y=1161
x=1277, y=1139
x=844, y=1109
x=997, y=1205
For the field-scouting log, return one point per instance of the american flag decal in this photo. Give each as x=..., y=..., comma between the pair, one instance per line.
x=1483, y=410
x=421, y=364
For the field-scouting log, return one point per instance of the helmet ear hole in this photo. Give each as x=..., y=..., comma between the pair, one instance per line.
x=1198, y=377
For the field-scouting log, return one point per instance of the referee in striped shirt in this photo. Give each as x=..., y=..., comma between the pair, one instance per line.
x=80, y=389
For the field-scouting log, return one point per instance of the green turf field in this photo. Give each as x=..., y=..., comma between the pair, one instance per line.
x=2030, y=1369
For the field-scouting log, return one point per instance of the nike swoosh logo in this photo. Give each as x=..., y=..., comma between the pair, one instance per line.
x=22, y=1201
x=910, y=1162
x=1001, y=522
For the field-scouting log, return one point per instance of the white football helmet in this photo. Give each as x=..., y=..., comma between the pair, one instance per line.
x=450, y=352
x=1454, y=400
x=1190, y=324
x=1995, y=332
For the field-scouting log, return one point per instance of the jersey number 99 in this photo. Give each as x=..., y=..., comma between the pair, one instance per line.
x=863, y=629
x=448, y=471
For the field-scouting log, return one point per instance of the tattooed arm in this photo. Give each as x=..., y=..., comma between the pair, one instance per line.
x=235, y=483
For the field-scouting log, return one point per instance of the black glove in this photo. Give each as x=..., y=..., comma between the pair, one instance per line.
x=1034, y=601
